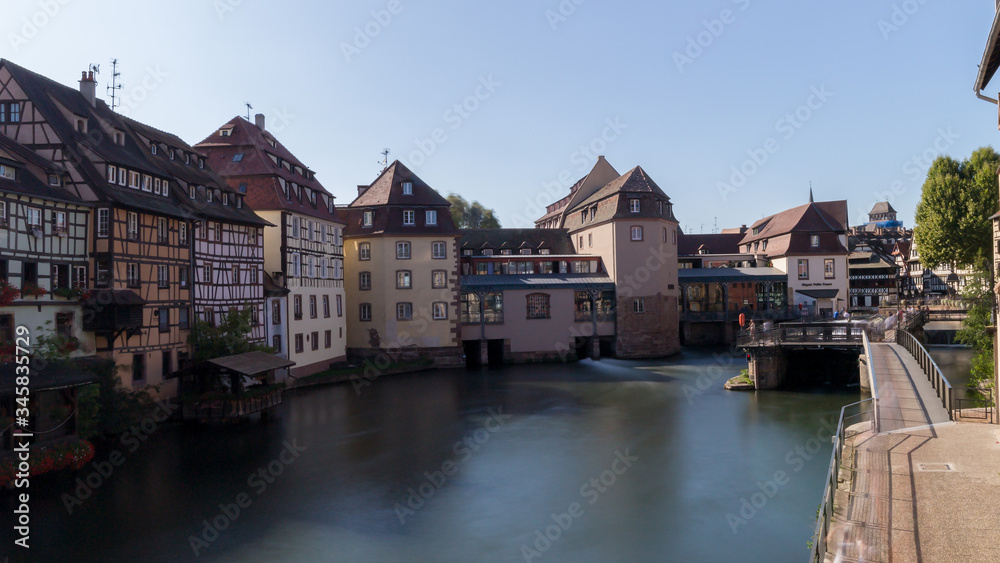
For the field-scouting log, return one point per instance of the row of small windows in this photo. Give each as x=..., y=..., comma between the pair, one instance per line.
x=10, y=112
x=213, y=274
x=290, y=187
x=404, y=280
x=404, y=311
x=297, y=308
x=210, y=195
x=306, y=229
x=439, y=250
x=323, y=268
x=504, y=252
x=123, y=177
x=33, y=220
x=409, y=218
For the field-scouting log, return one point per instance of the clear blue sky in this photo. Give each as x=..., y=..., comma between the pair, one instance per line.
x=555, y=83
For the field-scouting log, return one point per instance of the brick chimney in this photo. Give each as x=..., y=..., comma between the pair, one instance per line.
x=88, y=87
x=259, y=120
x=362, y=190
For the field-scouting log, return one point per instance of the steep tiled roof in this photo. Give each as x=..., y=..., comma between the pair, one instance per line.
x=881, y=208
x=634, y=181
x=387, y=189
x=244, y=157
x=557, y=241
x=828, y=216
x=721, y=243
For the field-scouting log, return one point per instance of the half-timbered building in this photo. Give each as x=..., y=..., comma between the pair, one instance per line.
x=227, y=241
x=304, y=247
x=43, y=252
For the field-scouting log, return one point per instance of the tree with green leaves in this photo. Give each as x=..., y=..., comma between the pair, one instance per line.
x=472, y=215
x=227, y=339
x=953, y=216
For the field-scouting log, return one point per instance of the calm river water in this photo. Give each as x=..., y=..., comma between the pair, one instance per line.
x=613, y=460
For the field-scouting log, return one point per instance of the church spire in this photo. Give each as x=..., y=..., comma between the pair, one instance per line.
x=810, y=192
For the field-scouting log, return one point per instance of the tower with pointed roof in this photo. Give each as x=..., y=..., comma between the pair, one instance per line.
x=401, y=252
x=629, y=222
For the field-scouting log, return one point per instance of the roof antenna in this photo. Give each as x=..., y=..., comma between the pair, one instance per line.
x=114, y=86
x=249, y=107
x=385, y=159
x=715, y=229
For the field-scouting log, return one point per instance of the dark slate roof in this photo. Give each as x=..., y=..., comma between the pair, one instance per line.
x=27, y=182
x=719, y=243
x=251, y=363
x=260, y=173
x=538, y=281
x=272, y=289
x=387, y=189
x=101, y=297
x=882, y=207
x=50, y=375
x=557, y=241
x=707, y=275
x=192, y=174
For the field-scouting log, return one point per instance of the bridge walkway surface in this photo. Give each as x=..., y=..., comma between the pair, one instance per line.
x=925, y=488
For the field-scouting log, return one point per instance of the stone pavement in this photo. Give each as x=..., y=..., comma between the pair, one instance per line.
x=922, y=490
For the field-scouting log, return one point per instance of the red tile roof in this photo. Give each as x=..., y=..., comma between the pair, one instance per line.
x=387, y=189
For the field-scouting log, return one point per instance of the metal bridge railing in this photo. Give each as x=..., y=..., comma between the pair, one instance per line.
x=940, y=383
x=825, y=517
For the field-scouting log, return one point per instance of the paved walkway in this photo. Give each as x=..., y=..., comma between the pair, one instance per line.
x=924, y=489
x=906, y=397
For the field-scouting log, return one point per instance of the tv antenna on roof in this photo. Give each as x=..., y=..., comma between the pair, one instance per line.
x=114, y=86
x=385, y=159
x=249, y=107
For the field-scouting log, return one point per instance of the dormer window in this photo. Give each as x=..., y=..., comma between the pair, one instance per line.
x=7, y=172
x=243, y=188
x=54, y=180
x=659, y=207
x=209, y=193
x=191, y=191
x=238, y=157
x=225, y=132
x=201, y=163
x=814, y=241
x=81, y=125
x=119, y=138
x=172, y=154
x=239, y=203
x=633, y=205
x=187, y=158
x=407, y=188
x=367, y=218
x=225, y=199
x=152, y=148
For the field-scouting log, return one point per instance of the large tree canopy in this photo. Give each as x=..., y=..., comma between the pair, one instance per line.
x=952, y=220
x=472, y=215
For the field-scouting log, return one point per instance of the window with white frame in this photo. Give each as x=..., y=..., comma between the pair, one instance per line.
x=404, y=279
x=440, y=310
x=133, y=179
x=103, y=222
x=633, y=205
x=206, y=273
x=402, y=250
x=112, y=173
x=404, y=311
x=365, y=280
x=409, y=217
x=295, y=227
x=311, y=267
x=162, y=276
x=254, y=275
x=407, y=188
x=296, y=264
x=367, y=218
x=132, y=274
x=365, y=312
x=133, y=225
x=3, y=212
x=638, y=305
x=431, y=217
x=34, y=218
x=122, y=176
x=161, y=230
x=61, y=226
x=439, y=279
x=147, y=183
x=439, y=250
x=365, y=251
x=182, y=233
x=636, y=233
